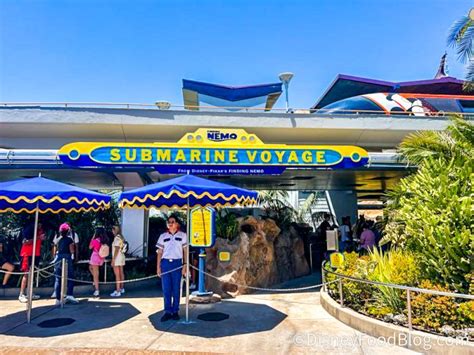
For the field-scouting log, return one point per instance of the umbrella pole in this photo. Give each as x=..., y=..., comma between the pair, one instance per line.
x=187, y=260
x=32, y=268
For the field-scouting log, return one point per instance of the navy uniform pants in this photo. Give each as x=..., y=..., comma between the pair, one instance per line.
x=58, y=272
x=171, y=284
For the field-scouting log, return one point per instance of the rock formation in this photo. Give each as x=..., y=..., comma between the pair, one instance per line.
x=261, y=256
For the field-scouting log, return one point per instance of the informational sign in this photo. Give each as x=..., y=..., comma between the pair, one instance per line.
x=224, y=256
x=336, y=260
x=331, y=240
x=213, y=152
x=202, y=227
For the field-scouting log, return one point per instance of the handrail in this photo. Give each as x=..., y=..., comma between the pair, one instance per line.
x=296, y=111
x=401, y=287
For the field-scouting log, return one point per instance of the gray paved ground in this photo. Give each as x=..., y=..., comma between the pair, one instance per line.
x=258, y=323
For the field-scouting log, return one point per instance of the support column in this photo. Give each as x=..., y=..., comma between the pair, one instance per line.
x=135, y=230
x=134, y=221
x=342, y=203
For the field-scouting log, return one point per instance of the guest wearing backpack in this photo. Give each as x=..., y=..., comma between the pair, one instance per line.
x=100, y=250
x=119, y=247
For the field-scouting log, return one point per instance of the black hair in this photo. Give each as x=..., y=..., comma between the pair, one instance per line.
x=175, y=217
x=101, y=234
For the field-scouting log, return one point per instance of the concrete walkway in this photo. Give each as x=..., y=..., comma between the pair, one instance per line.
x=257, y=323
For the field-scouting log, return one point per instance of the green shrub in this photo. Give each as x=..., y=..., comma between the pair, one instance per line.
x=432, y=311
x=227, y=226
x=394, y=267
x=355, y=294
x=430, y=211
x=466, y=313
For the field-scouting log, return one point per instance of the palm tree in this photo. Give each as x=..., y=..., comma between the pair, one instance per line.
x=457, y=142
x=430, y=211
x=461, y=37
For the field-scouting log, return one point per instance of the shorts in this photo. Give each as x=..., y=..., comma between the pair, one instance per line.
x=3, y=261
x=119, y=260
x=96, y=259
x=26, y=263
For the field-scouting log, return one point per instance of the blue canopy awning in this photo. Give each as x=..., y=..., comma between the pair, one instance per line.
x=26, y=195
x=175, y=193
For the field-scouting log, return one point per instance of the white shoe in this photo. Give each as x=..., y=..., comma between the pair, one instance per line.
x=122, y=291
x=192, y=287
x=71, y=299
x=115, y=294
x=53, y=295
x=96, y=293
x=22, y=298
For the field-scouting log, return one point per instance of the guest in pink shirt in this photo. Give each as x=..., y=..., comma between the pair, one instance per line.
x=99, y=238
x=367, y=238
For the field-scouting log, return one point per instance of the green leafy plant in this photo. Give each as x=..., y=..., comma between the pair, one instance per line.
x=394, y=267
x=227, y=226
x=356, y=294
x=430, y=212
x=432, y=312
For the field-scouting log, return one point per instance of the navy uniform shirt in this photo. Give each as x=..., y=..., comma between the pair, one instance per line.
x=172, y=244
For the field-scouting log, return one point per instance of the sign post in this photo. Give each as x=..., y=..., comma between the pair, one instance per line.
x=202, y=236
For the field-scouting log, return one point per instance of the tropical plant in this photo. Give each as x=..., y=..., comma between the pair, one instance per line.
x=395, y=267
x=432, y=311
x=430, y=212
x=356, y=294
x=277, y=206
x=227, y=226
x=461, y=37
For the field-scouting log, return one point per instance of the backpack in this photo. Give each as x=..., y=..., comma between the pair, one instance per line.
x=124, y=247
x=104, y=251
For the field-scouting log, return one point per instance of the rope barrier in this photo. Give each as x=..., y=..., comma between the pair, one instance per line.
x=45, y=274
x=266, y=288
x=25, y=273
x=124, y=281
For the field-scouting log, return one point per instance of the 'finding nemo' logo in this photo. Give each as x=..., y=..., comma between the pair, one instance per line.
x=218, y=136
x=231, y=149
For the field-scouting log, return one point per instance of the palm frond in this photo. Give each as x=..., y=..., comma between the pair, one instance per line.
x=304, y=211
x=456, y=30
x=464, y=45
x=462, y=131
x=421, y=145
x=469, y=76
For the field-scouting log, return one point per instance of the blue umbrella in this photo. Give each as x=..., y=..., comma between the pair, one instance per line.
x=44, y=195
x=187, y=191
x=40, y=195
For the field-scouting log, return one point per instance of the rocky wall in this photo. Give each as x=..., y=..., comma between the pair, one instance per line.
x=261, y=255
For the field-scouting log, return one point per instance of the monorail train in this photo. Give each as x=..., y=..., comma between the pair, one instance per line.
x=403, y=103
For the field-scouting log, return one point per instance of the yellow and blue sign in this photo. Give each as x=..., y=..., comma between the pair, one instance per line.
x=336, y=260
x=213, y=151
x=202, y=227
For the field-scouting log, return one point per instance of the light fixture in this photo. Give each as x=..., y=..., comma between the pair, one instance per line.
x=163, y=105
x=285, y=79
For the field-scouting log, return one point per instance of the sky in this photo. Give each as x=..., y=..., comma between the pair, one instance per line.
x=139, y=51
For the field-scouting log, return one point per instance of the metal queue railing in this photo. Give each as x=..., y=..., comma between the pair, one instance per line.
x=408, y=290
